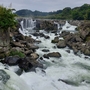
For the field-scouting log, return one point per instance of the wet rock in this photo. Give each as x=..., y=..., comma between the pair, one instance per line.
x=25, y=65
x=37, y=41
x=4, y=77
x=46, y=56
x=36, y=34
x=41, y=58
x=19, y=72
x=54, y=54
x=45, y=50
x=68, y=51
x=46, y=37
x=35, y=63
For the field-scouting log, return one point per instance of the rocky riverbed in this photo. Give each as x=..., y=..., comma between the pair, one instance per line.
x=43, y=49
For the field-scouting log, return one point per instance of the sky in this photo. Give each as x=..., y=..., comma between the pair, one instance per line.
x=43, y=5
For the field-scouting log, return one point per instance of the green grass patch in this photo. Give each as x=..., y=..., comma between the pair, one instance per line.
x=19, y=53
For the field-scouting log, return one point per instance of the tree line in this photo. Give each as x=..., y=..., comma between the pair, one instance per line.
x=77, y=13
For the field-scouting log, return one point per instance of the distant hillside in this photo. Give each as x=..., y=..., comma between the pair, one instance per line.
x=77, y=13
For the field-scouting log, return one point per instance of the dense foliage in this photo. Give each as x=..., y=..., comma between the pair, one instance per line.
x=7, y=18
x=77, y=13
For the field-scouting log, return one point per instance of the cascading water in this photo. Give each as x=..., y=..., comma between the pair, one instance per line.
x=69, y=72
x=10, y=81
x=58, y=25
x=68, y=27
x=27, y=26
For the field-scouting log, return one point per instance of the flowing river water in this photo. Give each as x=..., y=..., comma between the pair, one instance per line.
x=69, y=72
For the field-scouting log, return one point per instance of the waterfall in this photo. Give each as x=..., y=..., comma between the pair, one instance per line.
x=58, y=25
x=27, y=26
x=68, y=27
x=28, y=23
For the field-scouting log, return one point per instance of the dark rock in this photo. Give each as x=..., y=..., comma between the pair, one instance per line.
x=69, y=82
x=4, y=77
x=19, y=72
x=68, y=51
x=35, y=63
x=45, y=50
x=41, y=58
x=25, y=65
x=36, y=34
x=12, y=60
x=46, y=56
x=37, y=41
x=46, y=37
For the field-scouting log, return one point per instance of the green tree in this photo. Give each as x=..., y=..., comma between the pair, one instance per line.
x=7, y=18
x=7, y=21
x=88, y=15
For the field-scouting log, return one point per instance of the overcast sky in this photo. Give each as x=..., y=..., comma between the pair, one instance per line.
x=43, y=5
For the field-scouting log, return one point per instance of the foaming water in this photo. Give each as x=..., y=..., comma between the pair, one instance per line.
x=10, y=81
x=68, y=27
x=69, y=72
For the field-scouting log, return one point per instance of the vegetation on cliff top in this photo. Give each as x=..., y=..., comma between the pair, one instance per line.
x=7, y=18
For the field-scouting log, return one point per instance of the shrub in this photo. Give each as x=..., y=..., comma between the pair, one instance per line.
x=7, y=18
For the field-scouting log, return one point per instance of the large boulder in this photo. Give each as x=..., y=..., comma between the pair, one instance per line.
x=31, y=46
x=34, y=56
x=61, y=44
x=12, y=60
x=84, y=29
x=25, y=65
x=46, y=25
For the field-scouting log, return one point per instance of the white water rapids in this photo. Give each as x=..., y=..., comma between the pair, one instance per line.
x=70, y=72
